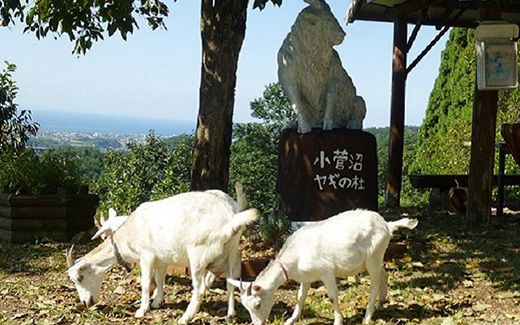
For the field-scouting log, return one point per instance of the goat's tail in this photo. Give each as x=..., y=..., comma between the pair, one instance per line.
x=239, y=220
x=241, y=196
x=402, y=223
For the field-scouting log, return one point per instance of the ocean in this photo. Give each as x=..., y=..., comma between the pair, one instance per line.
x=89, y=123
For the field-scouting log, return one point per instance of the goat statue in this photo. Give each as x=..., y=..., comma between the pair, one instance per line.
x=320, y=91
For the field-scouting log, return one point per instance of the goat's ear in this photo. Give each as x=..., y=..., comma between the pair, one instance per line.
x=96, y=223
x=103, y=230
x=241, y=285
x=112, y=213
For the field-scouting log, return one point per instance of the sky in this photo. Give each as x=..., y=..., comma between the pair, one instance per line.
x=156, y=73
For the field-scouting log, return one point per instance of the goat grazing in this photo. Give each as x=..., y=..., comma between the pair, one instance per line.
x=346, y=244
x=199, y=230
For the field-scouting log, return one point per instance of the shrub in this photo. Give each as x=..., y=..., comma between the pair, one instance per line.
x=147, y=171
x=15, y=128
x=23, y=172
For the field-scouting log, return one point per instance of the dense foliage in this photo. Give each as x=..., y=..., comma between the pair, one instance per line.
x=254, y=158
x=447, y=123
x=444, y=137
x=409, y=195
x=15, y=127
x=24, y=172
x=132, y=177
x=86, y=22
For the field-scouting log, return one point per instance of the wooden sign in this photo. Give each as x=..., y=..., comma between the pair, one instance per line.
x=322, y=173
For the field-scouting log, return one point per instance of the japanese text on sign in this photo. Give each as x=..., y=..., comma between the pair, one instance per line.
x=341, y=161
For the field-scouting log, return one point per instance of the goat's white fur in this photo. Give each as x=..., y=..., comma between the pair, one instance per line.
x=110, y=225
x=343, y=245
x=199, y=230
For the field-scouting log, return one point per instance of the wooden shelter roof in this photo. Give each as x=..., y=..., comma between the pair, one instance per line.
x=452, y=13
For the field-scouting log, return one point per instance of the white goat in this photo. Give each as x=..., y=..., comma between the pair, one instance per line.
x=346, y=244
x=200, y=230
x=109, y=225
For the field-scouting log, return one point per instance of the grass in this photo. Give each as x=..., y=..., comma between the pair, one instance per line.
x=450, y=275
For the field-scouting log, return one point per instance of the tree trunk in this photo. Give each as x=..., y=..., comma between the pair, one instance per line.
x=223, y=26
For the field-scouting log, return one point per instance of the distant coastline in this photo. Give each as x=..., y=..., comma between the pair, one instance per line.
x=51, y=121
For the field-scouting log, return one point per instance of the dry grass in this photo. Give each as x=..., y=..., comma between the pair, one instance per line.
x=449, y=276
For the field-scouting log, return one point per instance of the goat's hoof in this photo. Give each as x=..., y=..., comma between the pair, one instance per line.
x=183, y=320
x=338, y=321
x=290, y=321
x=230, y=318
x=140, y=313
x=156, y=304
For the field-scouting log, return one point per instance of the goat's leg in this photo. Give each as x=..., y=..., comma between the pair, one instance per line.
x=374, y=270
x=146, y=265
x=332, y=290
x=329, y=116
x=302, y=294
x=199, y=286
x=383, y=290
x=159, y=276
x=210, y=278
x=234, y=272
x=300, y=108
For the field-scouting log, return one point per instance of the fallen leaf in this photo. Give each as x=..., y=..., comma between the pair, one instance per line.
x=407, y=258
x=417, y=264
x=391, y=266
x=437, y=296
x=480, y=307
x=119, y=290
x=512, y=316
x=468, y=312
x=506, y=295
x=449, y=321
x=467, y=283
x=19, y=315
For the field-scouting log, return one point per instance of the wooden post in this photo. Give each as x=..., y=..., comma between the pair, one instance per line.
x=394, y=172
x=483, y=128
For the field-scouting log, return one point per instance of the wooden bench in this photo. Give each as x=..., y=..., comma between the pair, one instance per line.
x=455, y=180
x=447, y=181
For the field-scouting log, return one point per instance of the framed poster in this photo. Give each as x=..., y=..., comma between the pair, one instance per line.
x=496, y=65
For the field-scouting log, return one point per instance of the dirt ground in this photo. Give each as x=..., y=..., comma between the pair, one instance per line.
x=450, y=274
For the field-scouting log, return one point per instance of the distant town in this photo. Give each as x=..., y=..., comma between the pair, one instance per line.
x=104, y=141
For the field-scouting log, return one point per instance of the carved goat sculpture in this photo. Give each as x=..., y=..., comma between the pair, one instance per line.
x=310, y=72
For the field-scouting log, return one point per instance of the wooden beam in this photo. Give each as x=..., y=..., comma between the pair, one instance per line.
x=411, y=6
x=395, y=150
x=432, y=43
x=483, y=130
x=415, y=31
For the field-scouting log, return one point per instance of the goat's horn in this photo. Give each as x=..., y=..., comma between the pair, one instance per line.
x=248, y=289
x=102, y=218
x=96, y=223
x=68, y=256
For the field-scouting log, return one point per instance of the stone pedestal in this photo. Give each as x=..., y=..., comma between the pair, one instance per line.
x=322, y=173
